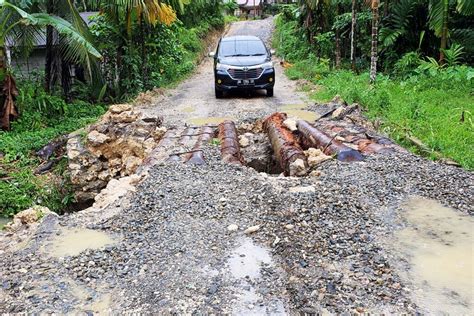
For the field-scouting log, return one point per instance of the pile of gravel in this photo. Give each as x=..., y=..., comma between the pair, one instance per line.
x=325, y=234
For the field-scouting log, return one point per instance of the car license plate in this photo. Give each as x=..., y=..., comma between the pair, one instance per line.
x=246, y=82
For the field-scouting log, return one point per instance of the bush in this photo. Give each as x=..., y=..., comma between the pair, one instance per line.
x=43, y=118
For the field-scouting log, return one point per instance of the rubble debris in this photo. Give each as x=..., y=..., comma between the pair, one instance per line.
x=52, y=148
x=287, y=151
x=252, y=229
x=316, y=157
x=112, y=148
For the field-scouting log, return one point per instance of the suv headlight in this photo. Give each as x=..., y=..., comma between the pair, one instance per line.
x=222, y=67
x=267, y=65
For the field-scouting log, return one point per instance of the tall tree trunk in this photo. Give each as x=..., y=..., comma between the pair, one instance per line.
x=66, y=80
x=143, y=31
x=375, y=31
x=353, y=30
x=48, y=75
x=3, y=64
x=444, y=32
x=48, y=69
x=4, y=119
x=338, y=44
x=8, y=93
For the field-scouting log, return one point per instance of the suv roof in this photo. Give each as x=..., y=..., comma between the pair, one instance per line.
x=240, y=38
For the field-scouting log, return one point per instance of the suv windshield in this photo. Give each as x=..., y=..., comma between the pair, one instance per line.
x=241, y=48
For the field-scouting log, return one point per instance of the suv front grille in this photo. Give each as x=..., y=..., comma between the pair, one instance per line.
x=240, y=74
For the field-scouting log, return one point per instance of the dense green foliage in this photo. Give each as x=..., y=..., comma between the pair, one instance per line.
x=144, y=50
x=419, y=98
x=44, y=118
x=150, y=55
x=403, y=26
x=169, y=53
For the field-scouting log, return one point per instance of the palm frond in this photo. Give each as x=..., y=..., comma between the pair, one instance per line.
x=437, y=15
x=465, y=7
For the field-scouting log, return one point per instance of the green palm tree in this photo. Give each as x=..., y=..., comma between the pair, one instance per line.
x=20, y=26
x=374, y=5
x=439, y=18
x=123, y=14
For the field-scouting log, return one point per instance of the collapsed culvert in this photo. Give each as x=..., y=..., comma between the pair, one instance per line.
x=296, y=147
x=258, y=154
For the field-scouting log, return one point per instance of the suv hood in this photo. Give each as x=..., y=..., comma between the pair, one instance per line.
x=243, y=60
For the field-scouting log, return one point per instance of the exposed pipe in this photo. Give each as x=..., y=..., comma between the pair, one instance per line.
x=313, y=137
x=287, y=151
x=230, y=148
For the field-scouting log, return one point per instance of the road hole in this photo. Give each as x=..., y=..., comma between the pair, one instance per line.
x=258, y=154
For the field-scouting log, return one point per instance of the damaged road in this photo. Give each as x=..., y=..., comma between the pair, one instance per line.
x=210, y=224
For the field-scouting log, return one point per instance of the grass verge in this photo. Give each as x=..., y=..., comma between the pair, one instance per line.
x=435, y=106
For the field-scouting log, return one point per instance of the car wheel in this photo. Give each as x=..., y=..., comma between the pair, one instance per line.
x=219, y=94
x=270, y=92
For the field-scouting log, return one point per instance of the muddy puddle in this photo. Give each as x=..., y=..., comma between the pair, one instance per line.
x=198, y=121
x=438, y=244
x=289, y=107
x=4, y=221
x=73, y=241
x=245, y=264
x=101, y=306
x=303, y=115
x=187, y=109
x=247, y=260
x=298, y=111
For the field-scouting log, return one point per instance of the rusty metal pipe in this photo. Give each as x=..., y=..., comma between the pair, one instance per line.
x=230, y=148
x=196, y=156
x=329, y=145
x=285, y=146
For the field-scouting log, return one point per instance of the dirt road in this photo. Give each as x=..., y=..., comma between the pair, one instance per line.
x=194, y=102
x=390, y=234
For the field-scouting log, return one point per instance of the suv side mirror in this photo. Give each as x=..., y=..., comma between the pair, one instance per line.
x=272, y=51
x=212, y=54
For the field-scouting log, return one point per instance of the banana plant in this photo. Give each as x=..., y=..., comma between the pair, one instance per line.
x=16, y=21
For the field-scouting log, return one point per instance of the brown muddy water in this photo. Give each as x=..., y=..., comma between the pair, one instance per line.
x=297, y=111
x=303, y=115
x=73, y=241
x=245, y=264
x=187, y=109
x=438, y=244
x=288, y=107
x=4, y=221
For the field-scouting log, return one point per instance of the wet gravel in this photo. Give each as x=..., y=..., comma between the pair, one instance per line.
x=174, y=249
